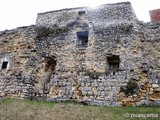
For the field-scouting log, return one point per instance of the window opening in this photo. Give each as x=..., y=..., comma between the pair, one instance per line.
x=50, y=64
x=81, y=12
x=113, y=62
x=4, y=65
x=82, y=38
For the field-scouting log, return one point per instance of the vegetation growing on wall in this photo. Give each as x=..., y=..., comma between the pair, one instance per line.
x=131, y=88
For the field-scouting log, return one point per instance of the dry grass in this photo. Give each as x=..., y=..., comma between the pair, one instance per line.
x=12, y=109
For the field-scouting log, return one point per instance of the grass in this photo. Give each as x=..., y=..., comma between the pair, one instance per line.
x=12, y=109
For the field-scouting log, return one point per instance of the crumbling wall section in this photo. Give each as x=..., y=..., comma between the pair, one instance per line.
x=151, y=31
x=99, y=16
x=83, y=54
x=18, y=51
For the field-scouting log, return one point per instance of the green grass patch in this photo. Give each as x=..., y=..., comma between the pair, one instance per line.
x=13, y=109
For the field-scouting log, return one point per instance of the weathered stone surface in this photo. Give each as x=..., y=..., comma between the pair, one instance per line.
x=47, y=62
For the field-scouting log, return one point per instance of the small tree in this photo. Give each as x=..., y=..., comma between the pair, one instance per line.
x=130, y=89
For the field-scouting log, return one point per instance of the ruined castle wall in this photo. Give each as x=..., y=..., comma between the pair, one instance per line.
x=58, y=17
x=50, y=64
x=152, y=31
x=98, y=17
x=17, y=49
x=148, y=76
x=83, y=73
x=152, y=56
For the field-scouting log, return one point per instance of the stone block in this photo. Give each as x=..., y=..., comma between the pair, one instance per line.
x=102, y=93
x=155, y=85
x=89, y=93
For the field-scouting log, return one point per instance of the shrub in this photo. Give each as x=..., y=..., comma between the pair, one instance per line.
x=131, y=88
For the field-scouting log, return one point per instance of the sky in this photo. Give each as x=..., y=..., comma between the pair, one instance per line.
x=17, y=13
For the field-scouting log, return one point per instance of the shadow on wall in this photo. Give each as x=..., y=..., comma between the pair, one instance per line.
x=44, y=74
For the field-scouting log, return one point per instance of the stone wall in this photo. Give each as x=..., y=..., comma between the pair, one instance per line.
x=17, y=48
x=49, y=61
x=151, y=31
x=100, y=16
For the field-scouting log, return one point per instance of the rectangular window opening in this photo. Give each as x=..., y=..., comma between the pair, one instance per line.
x=82, y=38
x=50, y=64
x=4, y=65
x=81, y=12
x=113, y=62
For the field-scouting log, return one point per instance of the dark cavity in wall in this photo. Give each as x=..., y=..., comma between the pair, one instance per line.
x=49, y=69
x=113, y=63
x=4, y=65
x=81, y=12
x=50, y=64
x=82, y=38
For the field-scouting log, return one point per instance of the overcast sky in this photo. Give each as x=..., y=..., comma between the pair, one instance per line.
x=16, y=13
